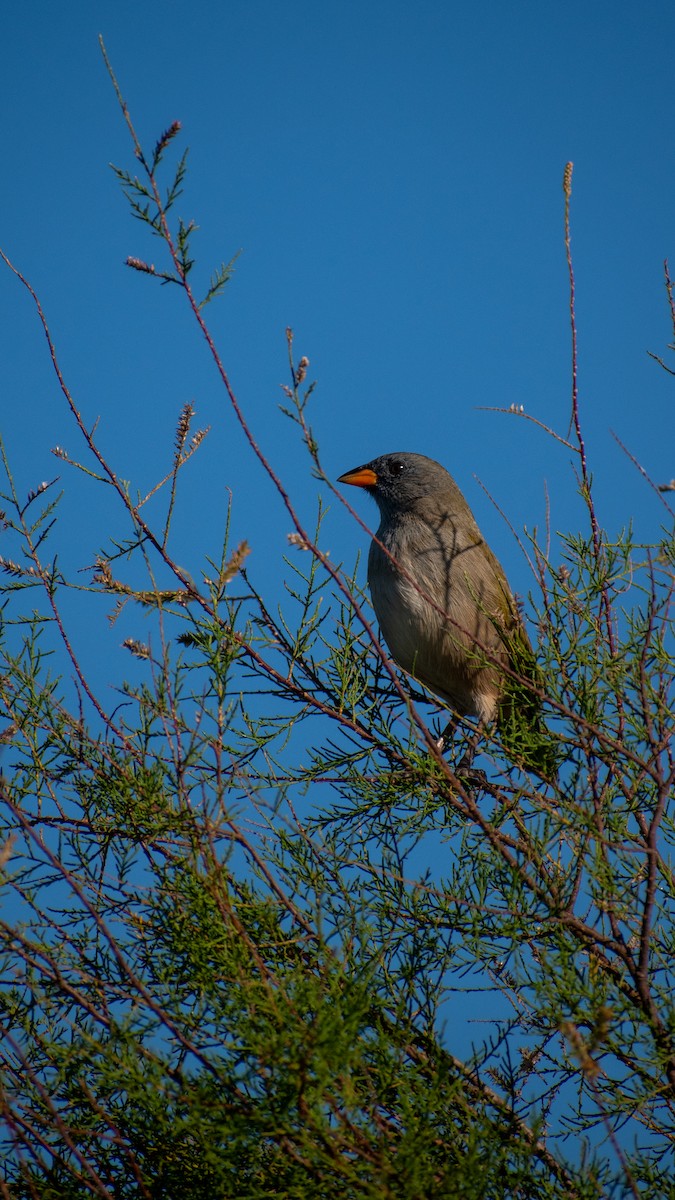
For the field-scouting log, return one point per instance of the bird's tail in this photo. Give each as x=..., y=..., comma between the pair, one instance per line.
x=522, y=729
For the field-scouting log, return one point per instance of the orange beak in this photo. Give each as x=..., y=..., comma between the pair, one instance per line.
x=360, y=477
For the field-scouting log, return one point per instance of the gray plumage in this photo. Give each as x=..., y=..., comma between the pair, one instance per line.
x=444, y=604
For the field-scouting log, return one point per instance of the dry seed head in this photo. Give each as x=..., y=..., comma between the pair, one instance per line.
x=103, y=574
x=41, y=487
x=197, y=438
x=13, y=568
x=6, y=850
x=236, y=561
x=183, y=427
x=139, y=265
x=138, y=649
x=166, y=137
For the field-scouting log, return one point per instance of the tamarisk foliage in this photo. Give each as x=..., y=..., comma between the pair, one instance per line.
x=244, y=901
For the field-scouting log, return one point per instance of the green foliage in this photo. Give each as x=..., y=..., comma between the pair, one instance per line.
x=522, y=729
x=246, y=905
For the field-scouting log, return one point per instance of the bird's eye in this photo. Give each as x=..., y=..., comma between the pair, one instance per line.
x=396, y=467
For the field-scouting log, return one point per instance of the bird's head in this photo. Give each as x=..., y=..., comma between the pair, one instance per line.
x=400, y=482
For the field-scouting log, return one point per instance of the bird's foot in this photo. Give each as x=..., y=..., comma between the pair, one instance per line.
x=447, y=736
x=464, y=769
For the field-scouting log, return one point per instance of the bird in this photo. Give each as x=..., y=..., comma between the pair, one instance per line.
x=445, y=608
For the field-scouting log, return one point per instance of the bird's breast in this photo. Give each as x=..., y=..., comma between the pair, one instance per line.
x=433, y=611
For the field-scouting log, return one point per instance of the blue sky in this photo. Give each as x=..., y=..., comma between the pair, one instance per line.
x=392, y=175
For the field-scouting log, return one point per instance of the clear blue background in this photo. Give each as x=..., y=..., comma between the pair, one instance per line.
x=392, y=174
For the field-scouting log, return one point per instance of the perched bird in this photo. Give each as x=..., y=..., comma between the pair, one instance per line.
x=445, y=607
